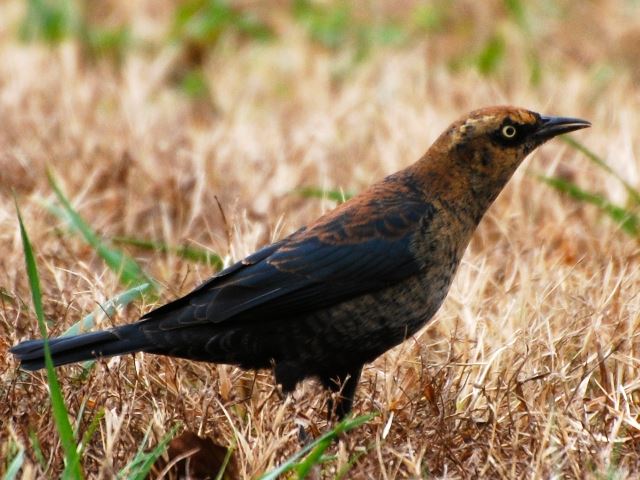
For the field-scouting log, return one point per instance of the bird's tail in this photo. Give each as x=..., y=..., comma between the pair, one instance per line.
x=88, y=346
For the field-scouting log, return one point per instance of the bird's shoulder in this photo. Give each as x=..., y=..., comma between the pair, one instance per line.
x=379, y=222
x=386, y=210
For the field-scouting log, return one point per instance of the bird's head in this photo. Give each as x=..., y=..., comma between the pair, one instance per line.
x=487, y=145
x=495, y=140
x=475, y=157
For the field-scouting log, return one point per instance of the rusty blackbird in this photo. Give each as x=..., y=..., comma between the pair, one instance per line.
x=343, y=290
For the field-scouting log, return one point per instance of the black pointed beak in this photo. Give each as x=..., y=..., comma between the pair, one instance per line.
x=552, y=126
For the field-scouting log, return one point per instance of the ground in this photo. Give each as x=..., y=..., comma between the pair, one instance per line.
x=529, y=369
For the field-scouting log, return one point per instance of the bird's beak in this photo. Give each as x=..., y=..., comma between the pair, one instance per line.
x=552, y=126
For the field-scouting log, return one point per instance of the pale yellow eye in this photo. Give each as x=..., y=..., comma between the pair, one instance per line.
x=509, y=131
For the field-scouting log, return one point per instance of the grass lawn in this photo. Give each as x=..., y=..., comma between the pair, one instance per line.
x=185, y=135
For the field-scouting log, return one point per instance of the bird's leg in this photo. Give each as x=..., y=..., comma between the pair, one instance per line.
x=345, y=386
x=287, y=376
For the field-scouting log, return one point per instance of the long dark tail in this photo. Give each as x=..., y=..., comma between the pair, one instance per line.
x=88, y=346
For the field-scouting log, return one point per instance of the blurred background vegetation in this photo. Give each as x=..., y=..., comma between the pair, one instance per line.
x=489, y=37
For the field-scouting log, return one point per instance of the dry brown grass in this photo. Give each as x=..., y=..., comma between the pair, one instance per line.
x=530, y=368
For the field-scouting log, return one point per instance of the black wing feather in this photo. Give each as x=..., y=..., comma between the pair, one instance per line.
x=309, y=270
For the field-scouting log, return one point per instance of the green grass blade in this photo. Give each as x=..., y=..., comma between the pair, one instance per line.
x=489, y=60
x=314, y=192
x=91, y=430
x=138, y=459
x=51, y=22
x=79, y=415
x=591, y=155
x=225, y=462
x=192, y=254
x=518, y=12
x=6, y=296
x=61, y=417
x=315, y=456
x=128, y=271
x=188, y=253
x=141, y=465
x=37, y=449
x=628, y=221
x=194, y=84
x=352, y=461
x=317, y=447
x=15, y=465
x=109, y=308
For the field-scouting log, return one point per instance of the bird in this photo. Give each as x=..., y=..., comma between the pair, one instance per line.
x=338, y=293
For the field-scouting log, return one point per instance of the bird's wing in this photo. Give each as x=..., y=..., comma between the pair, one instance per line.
x=347, y=253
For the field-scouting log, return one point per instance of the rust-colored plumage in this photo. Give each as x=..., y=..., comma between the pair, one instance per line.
x=359, y=280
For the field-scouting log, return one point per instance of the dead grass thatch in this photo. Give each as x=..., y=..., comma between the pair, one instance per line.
x=529, y=369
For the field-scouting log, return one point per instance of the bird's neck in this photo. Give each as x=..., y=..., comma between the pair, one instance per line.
x=466, y=194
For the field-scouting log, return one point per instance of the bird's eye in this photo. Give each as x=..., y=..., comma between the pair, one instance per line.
x=509, y=131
